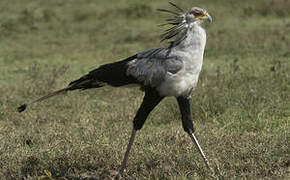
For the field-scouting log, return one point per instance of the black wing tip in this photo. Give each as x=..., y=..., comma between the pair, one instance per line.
x=22, y=108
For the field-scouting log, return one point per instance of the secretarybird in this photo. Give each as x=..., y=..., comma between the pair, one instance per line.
x=160, y=72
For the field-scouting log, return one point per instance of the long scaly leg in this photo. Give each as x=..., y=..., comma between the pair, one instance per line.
x=125, y=159
x=150, y=101
x=184, y=106
x=195, y=141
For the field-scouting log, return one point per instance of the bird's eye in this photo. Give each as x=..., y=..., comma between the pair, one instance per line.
x=196, y=13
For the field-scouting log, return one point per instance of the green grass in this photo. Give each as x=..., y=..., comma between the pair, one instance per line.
x=241, y=107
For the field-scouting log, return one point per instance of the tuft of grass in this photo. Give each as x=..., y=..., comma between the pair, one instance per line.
x=240, y=107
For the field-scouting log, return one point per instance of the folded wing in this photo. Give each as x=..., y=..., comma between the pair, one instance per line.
x=151, y=67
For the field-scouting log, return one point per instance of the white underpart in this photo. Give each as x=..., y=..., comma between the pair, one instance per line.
x=191, y=50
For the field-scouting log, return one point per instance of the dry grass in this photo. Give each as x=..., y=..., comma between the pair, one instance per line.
x=241, y=105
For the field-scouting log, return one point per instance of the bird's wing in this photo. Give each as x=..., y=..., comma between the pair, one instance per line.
x=150, y=67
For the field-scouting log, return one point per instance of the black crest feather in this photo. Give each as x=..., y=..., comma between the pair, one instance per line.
x=179, y=26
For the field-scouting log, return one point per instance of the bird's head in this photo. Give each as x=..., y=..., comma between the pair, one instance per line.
x=198, y=15
x=182, y=21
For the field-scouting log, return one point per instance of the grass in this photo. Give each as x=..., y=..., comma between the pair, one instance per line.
x=241, y=107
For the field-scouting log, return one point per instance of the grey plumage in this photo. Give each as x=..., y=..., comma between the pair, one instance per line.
x=154, y=66
x=161, y=72
x=150, y=67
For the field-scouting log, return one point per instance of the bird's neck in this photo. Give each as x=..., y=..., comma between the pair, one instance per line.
x=194, y=40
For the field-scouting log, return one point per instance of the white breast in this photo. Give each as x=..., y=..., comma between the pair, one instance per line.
x=191, y=52
x=180, y=84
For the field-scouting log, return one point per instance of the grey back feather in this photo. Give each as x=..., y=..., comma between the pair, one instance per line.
x=151, y=66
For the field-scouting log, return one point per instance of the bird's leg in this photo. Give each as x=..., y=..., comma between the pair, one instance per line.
x=194, y=140
x=125, y=159
x=150, y=101
x=184, y=106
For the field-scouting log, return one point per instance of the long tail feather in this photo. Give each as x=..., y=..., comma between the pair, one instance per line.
x=59, y=92
x=113, y=74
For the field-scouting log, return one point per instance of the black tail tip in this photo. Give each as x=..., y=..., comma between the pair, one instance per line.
x=22, y=108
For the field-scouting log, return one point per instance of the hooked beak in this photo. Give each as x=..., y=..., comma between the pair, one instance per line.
x=206, y=17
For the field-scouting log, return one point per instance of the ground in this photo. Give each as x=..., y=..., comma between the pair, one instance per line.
x=241, y=107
